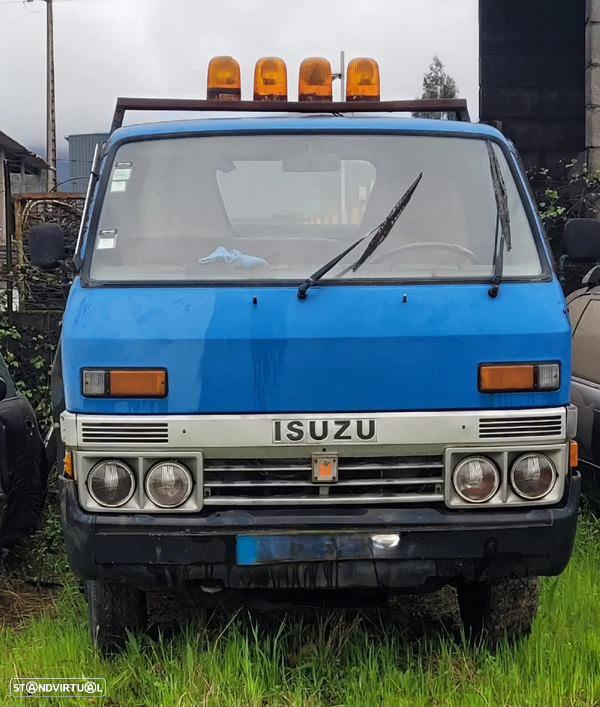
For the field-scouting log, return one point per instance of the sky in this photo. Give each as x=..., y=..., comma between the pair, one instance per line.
x=161, y=49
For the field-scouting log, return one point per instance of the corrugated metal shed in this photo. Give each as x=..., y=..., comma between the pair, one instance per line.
x=81, y=154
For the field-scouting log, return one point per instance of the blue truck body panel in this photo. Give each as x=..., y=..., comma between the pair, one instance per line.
x=346, y=348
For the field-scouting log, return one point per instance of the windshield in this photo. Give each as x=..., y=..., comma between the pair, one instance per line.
x=277, y=207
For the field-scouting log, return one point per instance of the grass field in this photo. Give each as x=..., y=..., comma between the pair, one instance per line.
x=407, y=655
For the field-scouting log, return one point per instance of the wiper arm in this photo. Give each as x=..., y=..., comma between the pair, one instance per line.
x=380, y=232
x=315, y=277
x=503, y=238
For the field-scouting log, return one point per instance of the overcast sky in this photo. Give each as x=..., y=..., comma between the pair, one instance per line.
x=160, y=48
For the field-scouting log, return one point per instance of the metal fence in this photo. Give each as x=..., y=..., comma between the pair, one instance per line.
x=26, y=289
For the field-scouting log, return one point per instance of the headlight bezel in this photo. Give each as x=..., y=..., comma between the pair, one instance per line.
x=504, y=457
x=497, y=475
x=514, y=486
x=121, y=464
x=179, y=466
x=140, y=462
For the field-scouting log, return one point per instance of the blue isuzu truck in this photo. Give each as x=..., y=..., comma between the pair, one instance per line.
x=314, y=348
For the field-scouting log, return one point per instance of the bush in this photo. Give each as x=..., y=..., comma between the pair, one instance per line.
x=570, y=192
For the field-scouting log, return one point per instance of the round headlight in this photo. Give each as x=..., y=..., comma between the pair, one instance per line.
x=476, y=479
x=533, y=476
x=169, y=484
x=111, y=483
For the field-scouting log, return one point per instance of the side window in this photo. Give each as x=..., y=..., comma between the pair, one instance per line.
x=576, y=309
x=586, y=344
x=4, y=373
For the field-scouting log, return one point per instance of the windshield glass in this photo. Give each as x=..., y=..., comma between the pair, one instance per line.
x=277, y=207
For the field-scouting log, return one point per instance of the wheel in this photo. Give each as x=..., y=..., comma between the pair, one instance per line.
x=493, y=610
x=114, y=609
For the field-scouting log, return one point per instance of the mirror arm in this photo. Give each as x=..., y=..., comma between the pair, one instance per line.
x=66, y=282
x=561, y=268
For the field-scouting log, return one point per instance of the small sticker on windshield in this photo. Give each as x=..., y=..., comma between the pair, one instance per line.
x=118, y=186
x=106, y=240
x=122, y=172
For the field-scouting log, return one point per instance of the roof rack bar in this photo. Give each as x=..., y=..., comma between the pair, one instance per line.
x=458, y=106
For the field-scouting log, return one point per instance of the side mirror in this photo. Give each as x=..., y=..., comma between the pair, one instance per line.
x=47, y=246
x=3, y=389
x=582, y=240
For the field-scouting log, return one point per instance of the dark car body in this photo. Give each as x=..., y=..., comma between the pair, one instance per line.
x=584, y=310
x=23, y=466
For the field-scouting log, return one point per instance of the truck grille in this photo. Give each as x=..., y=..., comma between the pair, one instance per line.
x=125, y=433
x=269, y=482
x=515, y=427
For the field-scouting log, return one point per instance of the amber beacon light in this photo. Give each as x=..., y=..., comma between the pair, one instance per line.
x=224, y=79
x=270, y=79
x=363, y=82
x=315, y=80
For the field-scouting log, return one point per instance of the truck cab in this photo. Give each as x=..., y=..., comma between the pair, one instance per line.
x=322, y=349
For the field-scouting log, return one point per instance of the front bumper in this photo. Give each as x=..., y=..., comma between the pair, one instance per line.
x=436, y=546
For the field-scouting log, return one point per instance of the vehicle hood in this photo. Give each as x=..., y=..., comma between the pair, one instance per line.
x=344, y=349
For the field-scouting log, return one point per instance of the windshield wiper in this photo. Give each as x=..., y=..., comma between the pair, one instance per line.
x=384, y=229
x=381, y=232
x=503, y=237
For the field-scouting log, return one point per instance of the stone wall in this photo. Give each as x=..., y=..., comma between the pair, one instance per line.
x=533, y=75
x=592, y=98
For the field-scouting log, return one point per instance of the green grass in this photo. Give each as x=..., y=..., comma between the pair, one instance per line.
x=333, y=659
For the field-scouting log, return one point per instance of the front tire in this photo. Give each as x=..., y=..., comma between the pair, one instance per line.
x=494, y=610
x=114, y=609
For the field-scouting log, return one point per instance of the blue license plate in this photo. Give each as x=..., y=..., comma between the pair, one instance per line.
x=309, y=547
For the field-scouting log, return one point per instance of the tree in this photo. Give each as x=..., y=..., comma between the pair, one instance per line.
x=438, y=84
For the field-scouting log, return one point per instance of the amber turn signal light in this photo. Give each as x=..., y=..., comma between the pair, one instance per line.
x=363, y=82
x=124, y=383
x=519, y=377
x=315, y=80
x=573, y=455
x=224, y=81
x=503, y=378
x=270, y=79
x=129, y=384
x=68, y=465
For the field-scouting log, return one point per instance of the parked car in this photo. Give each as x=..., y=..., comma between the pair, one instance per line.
x=23, y=465
x=584, y=311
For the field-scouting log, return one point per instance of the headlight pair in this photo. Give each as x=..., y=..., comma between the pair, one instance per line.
x=112, y=484
x=477, y=479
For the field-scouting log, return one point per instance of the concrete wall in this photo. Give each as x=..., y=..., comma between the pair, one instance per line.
x=592, y=56
x=533, y=75
x=3, y=190
x=28, y=183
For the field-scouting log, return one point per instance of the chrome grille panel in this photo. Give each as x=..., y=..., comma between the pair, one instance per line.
x=373, y=481
x=517, y=427
x=125, y=433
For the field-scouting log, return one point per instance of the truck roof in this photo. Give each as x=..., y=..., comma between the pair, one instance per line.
x=295, y=122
